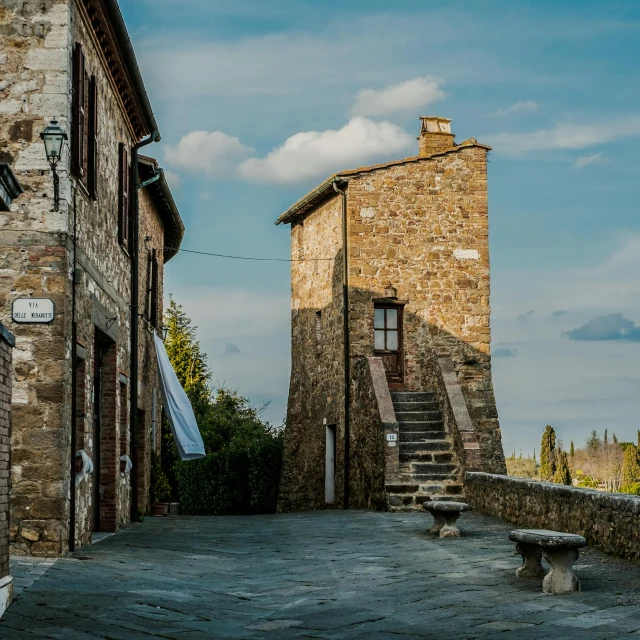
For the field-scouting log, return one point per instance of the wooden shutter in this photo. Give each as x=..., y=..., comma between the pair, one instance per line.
x=79, y=112
x=123, y=200
x=154, y=289
x=85, y=133
x=92, y=165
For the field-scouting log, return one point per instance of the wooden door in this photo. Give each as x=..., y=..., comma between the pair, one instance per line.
x=387, y=325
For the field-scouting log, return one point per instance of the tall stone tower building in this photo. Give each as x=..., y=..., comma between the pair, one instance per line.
x=399, y=419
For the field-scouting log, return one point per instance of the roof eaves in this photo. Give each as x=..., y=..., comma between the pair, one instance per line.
x=122, y=35
x=167, y=208
x=309, y=201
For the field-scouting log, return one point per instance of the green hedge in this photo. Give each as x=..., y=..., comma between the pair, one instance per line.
x=241, y=478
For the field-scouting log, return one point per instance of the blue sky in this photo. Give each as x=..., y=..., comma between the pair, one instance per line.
x=553, y=87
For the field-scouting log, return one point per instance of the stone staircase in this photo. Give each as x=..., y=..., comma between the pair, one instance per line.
x=428, y=466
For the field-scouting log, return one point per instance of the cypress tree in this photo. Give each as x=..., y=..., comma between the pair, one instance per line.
x=638, y=438
x=615, y=439
x=534, y=455
x=630, y=466
x=562, y=474
x=605, y=440
x=572, y=451
x=547, y=454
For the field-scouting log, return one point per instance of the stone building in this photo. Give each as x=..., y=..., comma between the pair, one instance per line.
x=74, y=402
x=420, y=399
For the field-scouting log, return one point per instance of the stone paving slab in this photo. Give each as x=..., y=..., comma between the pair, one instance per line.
x=333, y=575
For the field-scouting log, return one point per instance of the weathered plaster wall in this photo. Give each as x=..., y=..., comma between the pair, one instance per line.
x=423, y=227
x=609, y=521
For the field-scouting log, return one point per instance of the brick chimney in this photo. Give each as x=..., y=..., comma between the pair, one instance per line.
x=435, y=135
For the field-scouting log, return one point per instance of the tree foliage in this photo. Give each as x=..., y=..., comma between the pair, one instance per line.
x=241, y=470
x=562, y=473
x=547, y=454
x=630, y=466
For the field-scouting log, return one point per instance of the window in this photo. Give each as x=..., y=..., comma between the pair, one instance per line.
x=80, y=106
x=385, y=326
x=318, y=332
x=92, y=144
x=153, y=290
x=123, y=199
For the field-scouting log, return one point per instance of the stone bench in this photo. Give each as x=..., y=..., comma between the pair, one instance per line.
x=559, y=549
x=445, y=514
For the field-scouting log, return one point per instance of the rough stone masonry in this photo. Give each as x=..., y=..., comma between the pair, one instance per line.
x=70, y=60
x=417, y=242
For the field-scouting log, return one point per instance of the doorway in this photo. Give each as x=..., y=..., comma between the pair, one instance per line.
x=104, y=445
x=387, y=327
x=330, y=465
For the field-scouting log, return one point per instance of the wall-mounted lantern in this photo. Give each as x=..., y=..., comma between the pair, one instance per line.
x=53, y=137
x=165, y=332
x=390, y=292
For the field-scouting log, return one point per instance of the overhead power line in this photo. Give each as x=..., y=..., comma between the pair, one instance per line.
x=222, y=255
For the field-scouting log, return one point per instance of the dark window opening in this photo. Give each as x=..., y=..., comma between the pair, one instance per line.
x=123, y=196
x=318, y=332
x=81, y=402
x=92, y=140
x=153, y=290
x=80, y=105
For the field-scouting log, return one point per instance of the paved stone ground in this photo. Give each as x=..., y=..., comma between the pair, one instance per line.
x=334, y=575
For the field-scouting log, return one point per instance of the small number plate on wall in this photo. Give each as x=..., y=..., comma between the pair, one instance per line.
x=392, y=437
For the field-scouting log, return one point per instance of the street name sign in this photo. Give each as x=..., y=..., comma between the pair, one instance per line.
x=33, y=310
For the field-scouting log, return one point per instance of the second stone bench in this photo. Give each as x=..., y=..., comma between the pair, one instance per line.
x=559, y=549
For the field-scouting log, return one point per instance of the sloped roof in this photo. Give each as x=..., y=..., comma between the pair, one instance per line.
x=325, y=190
x=166, y=206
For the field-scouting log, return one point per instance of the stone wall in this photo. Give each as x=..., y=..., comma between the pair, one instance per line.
x=7, y=342
x=36, y=259
x=609, y=521
x=316, y=395
x=367, y=456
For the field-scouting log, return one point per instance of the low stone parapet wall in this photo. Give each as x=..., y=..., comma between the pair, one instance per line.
x=609, y=521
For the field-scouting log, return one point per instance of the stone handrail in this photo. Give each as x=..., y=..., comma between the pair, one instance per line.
x=609, y=521
x=457, y=421
x=387, y=414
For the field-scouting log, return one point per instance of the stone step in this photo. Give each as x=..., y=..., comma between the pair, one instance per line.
x=419, y=425
x=413, y=396
x=416, y=406
x=402, y=488
x=427, y=477
x=418, y=416
x=431, y=467
x=422, y=435
x=425, y=446
x=426, y=456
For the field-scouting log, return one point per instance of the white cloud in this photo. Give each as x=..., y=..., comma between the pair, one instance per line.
x=565, y=136
x=174, y=180
x=313, y=154
x=403, y=97
x=211, y=152
x=592, y=158
x=526, y=106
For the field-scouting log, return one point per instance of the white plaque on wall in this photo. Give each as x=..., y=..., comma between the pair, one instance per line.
x=33, y=310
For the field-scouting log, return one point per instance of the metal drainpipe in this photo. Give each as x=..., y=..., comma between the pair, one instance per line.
x=347, y=348
x=74, y=381
x=135, y=248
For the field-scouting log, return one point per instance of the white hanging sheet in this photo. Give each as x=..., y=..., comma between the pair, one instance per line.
x=87, y=466
x=178, y=408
